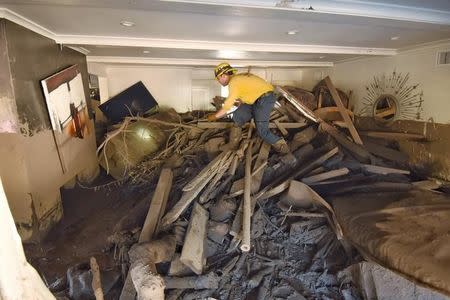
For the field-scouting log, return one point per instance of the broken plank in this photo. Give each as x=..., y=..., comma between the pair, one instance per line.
x=183, y=203
x=357, y=150
x=325, y=175
x=205, y=197
x=193, y=254
x=343, y=111
x=210, y=168
x=157, y=206
x=299, y=173
x=331, y=113
x=394, y=135
x=261, y=162
x=383, y=170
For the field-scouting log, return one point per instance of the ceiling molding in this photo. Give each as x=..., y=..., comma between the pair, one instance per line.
x=21, y=20
x=82, y=50
x=216, y=45
x=203, y=62
x=74, y=40
x=359, y=8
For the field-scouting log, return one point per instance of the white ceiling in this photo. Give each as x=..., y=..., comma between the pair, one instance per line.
x=331, y=31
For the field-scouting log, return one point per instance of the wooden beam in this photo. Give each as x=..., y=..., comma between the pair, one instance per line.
x=331, y=113
x=193, y=252
x=383, y=170
x=394, y=135
x=159, y=201
x=326, y=175
x=247, y=206
x=343, y=111
x=385, y=152
x=357, y=150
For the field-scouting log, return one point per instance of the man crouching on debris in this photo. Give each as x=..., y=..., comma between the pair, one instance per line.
x=256, y=99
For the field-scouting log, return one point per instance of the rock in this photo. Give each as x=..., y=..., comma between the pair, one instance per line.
x=79, y=278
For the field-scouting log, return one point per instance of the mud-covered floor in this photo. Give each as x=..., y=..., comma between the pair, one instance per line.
x=89, y=219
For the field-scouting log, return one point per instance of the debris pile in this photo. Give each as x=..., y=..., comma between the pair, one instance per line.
x=230, y=219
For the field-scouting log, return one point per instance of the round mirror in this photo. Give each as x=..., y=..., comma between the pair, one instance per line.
x=385, y=108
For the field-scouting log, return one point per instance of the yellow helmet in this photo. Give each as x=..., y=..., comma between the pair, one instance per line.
x=223, y=68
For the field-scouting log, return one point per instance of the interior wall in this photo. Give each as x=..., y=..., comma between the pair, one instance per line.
x=421, y=64
x=30, y=165
x=187, y=88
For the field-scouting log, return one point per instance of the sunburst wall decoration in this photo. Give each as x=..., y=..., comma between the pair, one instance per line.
x=391, y=97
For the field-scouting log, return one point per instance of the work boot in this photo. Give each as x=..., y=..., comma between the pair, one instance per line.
x=281, y=147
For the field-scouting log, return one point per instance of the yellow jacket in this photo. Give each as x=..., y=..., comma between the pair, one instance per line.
x=247, y=88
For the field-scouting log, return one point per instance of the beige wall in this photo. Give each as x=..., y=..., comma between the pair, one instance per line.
x=186, y=88
x=420, y=64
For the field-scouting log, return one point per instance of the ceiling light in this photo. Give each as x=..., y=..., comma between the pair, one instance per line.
x=321, y=57
x=127, y=23
x=146, y=52
x=394, y=38
x=230, y=54
x=292, y=32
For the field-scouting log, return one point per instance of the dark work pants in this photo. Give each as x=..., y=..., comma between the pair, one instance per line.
x=260, y=111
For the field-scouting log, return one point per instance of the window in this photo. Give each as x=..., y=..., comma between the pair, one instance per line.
x=444, y=58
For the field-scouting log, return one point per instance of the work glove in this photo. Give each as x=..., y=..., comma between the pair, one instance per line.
x=212, y=117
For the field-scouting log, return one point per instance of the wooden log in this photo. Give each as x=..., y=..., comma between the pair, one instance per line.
x=302, y=137
x=96, y=280
x=383, y=170
x=326, y=175
x=142, y=276
x=394, y=135
x=246, y=207
x=149, y=285
x=157, y=206
x=385, y=152
x=357, y=150
x=193, y=254
x=343, y=111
